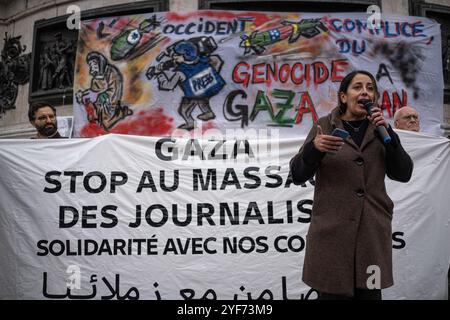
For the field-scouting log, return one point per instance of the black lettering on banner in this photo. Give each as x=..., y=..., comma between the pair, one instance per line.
x=229, y=245
x=277, y=245
x=206, y=246
x=90, y=250
x=263, y=247
x=120, y=246
x=238, y=150
x=48, y=178
x=157, y=215
x=232, y=217
x=104, y=248
x=383, y=72
x=245, y=244
x=289, y=211
x=89, y=247
x=170, y=247
x=146, y=175
x=41, y=245
x=88, y=177
x=67, y=222
x=272, y=220
x=73, y=179
x=189, y=245
x=253, y=177
x=57, y=248
x=163, y=185
x=292, y=246
x=397, y=237
x=205, y=215
x=62, y=216
x=158, y=149
x=234, y=179
x=188, y=219
x=109, y=216
x=211, y=179
x=193, y=148
x=289, y=181
x=85, y=216
x=295, y=243
x=115, y=182
x=253, y=206
x=219, y=156
x=276, y=177
x=197, y=245
x=301, y=207
x=148, y=215
x=137, y=223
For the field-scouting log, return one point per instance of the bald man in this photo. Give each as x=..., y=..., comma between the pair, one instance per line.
x=407, y=118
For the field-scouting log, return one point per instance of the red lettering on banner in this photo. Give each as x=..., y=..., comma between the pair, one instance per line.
x=305, y=106
x=295, y=79
x=321, y=72
x=298, y=73
x=243, y=77
x=258, y=73
x=285, y=72
x=272, y=73
x=395, y=104
x=338, y=66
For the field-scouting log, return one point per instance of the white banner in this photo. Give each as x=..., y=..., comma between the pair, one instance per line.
x=127, y=217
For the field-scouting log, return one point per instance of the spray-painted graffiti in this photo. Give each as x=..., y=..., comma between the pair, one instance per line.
x=406, y=59
x=258, y=40
x=351, y=46
x=276, y=108
x=193, y=68
x=386, y=29
x=224, y=69
x=291, y=73
x=126, y=43
x=103, y=99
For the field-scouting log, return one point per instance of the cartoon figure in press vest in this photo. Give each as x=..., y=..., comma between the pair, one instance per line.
x=191, y=67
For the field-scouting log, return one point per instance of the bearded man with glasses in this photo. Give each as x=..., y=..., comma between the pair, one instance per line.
x=43, y=117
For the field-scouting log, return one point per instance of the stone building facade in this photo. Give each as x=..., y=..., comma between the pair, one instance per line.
x=25, y=20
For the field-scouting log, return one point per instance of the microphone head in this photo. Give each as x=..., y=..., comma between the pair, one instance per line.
x=367, y=104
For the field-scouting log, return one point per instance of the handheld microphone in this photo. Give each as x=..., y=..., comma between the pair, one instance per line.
x=385, y=137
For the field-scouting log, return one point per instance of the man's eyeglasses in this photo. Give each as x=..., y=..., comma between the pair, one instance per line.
x=411, y=117
x=43, y=118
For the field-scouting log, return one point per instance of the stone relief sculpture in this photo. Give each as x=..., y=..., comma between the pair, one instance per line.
x=14, y=71
x=56, y=63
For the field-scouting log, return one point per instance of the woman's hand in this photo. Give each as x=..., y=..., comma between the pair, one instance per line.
x=377, y=117
x=327, y=143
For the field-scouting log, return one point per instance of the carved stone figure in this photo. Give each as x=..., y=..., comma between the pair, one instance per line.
x=14, y=71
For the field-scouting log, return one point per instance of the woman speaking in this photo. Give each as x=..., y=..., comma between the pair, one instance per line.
x=349, y=242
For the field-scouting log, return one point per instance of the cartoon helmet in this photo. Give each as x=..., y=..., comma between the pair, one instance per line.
x=187, y=49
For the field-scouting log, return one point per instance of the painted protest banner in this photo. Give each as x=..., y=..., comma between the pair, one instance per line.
x=166, y=218
x=162, y=73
